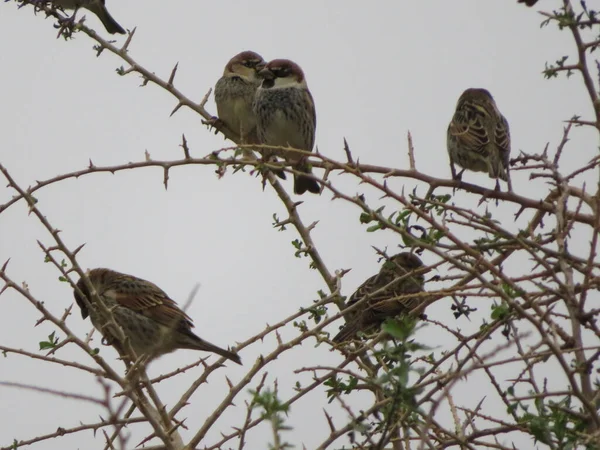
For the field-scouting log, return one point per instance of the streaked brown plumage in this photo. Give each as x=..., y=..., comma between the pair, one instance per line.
x=478, y=137
x=383, y=304
x=234, y=94
x=97, y=7
x=286, y=117
x=151, y=320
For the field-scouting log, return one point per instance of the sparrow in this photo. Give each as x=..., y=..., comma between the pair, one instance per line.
x=395, y=279
x=234, y=94
x=150, y=320
x=478, y=137
x=286, y=117
x=95, y=6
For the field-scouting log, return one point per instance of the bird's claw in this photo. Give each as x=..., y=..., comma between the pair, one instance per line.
x=65, y=26
x=214, y=122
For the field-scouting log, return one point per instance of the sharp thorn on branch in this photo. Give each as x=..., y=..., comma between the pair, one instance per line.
x=179, y=105
x=172, y=76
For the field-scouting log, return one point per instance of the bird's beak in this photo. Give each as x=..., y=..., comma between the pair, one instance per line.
x=266, y=74
x=82, y=306
x=260, y=66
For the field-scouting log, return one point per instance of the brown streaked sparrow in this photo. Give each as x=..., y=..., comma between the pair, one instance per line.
x=234, y=94
x=382, y=291
x=150, y=320
x=478, y=137
x=286, y=117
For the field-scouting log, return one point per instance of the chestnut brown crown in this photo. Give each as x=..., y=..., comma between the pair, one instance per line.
x=283, y=68
x=246, y=61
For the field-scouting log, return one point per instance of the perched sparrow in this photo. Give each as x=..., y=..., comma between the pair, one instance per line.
x=234, y=94
x=383, y=304
x=478, y=137
x=285, y=116
x=151, y=321
x=95, y=6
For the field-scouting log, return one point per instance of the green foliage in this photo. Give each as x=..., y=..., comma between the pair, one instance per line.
x=551, y=422
x=511, y=291
x=273, y=410
x=552, y=70
x=392, y=384
x=280, y=225
x=400, y=222
x=297, y=244
x=500, y=311
x=50, y=343
x=317, y=313
x=269, y=403
x=339, y=386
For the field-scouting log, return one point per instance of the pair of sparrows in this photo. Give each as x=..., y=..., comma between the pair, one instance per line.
x=270, y=104
x=154, y=325
x=98, y=7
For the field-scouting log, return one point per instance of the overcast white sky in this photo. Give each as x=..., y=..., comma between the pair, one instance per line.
x=375, y=69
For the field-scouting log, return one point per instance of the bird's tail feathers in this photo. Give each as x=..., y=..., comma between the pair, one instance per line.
x=303, y=183
x=497, y=170
x=280, y=173
x=348, y=331
x=200, y=344
x=107, y=20
x=497, y=164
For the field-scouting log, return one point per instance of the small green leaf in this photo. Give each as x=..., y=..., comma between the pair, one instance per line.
x=374, y=228
x=50, y=343
x=365, y=218
x=500, y=311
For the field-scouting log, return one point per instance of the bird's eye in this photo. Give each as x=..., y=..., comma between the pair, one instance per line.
x=281, y=72
x=249, y=63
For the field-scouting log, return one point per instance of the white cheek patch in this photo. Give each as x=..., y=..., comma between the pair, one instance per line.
x=244, y=72
x=285, y=82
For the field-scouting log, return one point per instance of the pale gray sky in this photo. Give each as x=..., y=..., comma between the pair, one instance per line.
x=375, y=69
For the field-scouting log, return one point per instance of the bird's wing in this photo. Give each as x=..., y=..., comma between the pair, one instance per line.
x=468, y=127
x=148, y=299
x=313, y=119
x=388, y=304
x=502, y=137
x=381, y=305
x=368, y=286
